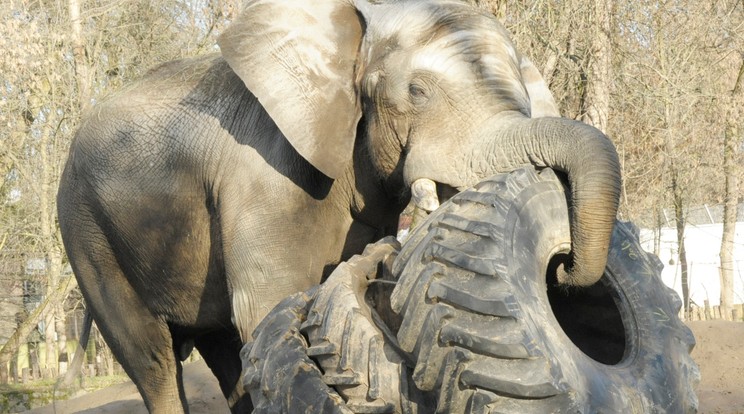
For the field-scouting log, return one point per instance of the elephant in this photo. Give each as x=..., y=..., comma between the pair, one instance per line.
x=198, y=197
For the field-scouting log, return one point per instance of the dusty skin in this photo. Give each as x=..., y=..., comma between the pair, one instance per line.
x=718, y=352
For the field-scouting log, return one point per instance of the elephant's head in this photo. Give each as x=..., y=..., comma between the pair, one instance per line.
x=443, y=93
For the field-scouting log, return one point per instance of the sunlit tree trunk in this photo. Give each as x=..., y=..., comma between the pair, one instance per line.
x=731, y=195
x=599, y=77
x=82, y=68
x=49, y=240
x=729, y=221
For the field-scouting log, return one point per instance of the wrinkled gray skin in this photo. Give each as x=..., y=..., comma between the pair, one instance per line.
x=196, y=199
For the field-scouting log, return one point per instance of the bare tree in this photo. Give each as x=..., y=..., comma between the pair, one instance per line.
x=731, y=201
x=30, y=163
x=728, y=47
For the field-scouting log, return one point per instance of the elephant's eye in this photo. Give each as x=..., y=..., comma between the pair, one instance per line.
x=417, y=92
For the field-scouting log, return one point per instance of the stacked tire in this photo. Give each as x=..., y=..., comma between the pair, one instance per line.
x=356, y=366
x=485, y=328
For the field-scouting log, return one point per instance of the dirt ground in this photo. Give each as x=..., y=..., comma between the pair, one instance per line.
x=719, y=353
x=202, y=392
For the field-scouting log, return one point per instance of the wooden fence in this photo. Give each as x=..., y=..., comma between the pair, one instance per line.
x=707, y=313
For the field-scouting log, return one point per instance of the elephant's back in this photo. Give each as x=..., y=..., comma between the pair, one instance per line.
x=178, y=119
x=175, y=107
x=194, y=80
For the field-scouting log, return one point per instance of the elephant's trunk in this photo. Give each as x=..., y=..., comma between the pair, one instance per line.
x=590, y=160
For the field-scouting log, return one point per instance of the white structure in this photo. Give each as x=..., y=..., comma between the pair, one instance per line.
x=703, y=244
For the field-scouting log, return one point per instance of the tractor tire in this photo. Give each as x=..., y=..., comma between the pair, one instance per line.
x=353, y=347
x=491, y=331
x=329, y=351
x=276, y=371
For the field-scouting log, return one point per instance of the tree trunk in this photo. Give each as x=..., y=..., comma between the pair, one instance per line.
x=729, y=221
x=50, y=240
x=82, y=69
x=599, y=81
x=49, y=366
x=61, y=328
x=731, y=197
x=679, y=215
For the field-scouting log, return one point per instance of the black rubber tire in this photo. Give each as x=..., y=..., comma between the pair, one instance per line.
x=277, y=373
x=356, y=356
x=491, y=334
x=328, y=351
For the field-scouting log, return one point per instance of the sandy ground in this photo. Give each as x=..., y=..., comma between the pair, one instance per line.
x=202, y=392
x=719, y=353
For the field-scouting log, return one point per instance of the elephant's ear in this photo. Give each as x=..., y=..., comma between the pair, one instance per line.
x=542, y=102
x=298, y=58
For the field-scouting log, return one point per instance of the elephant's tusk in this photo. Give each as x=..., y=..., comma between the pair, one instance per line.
x=424, y=194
